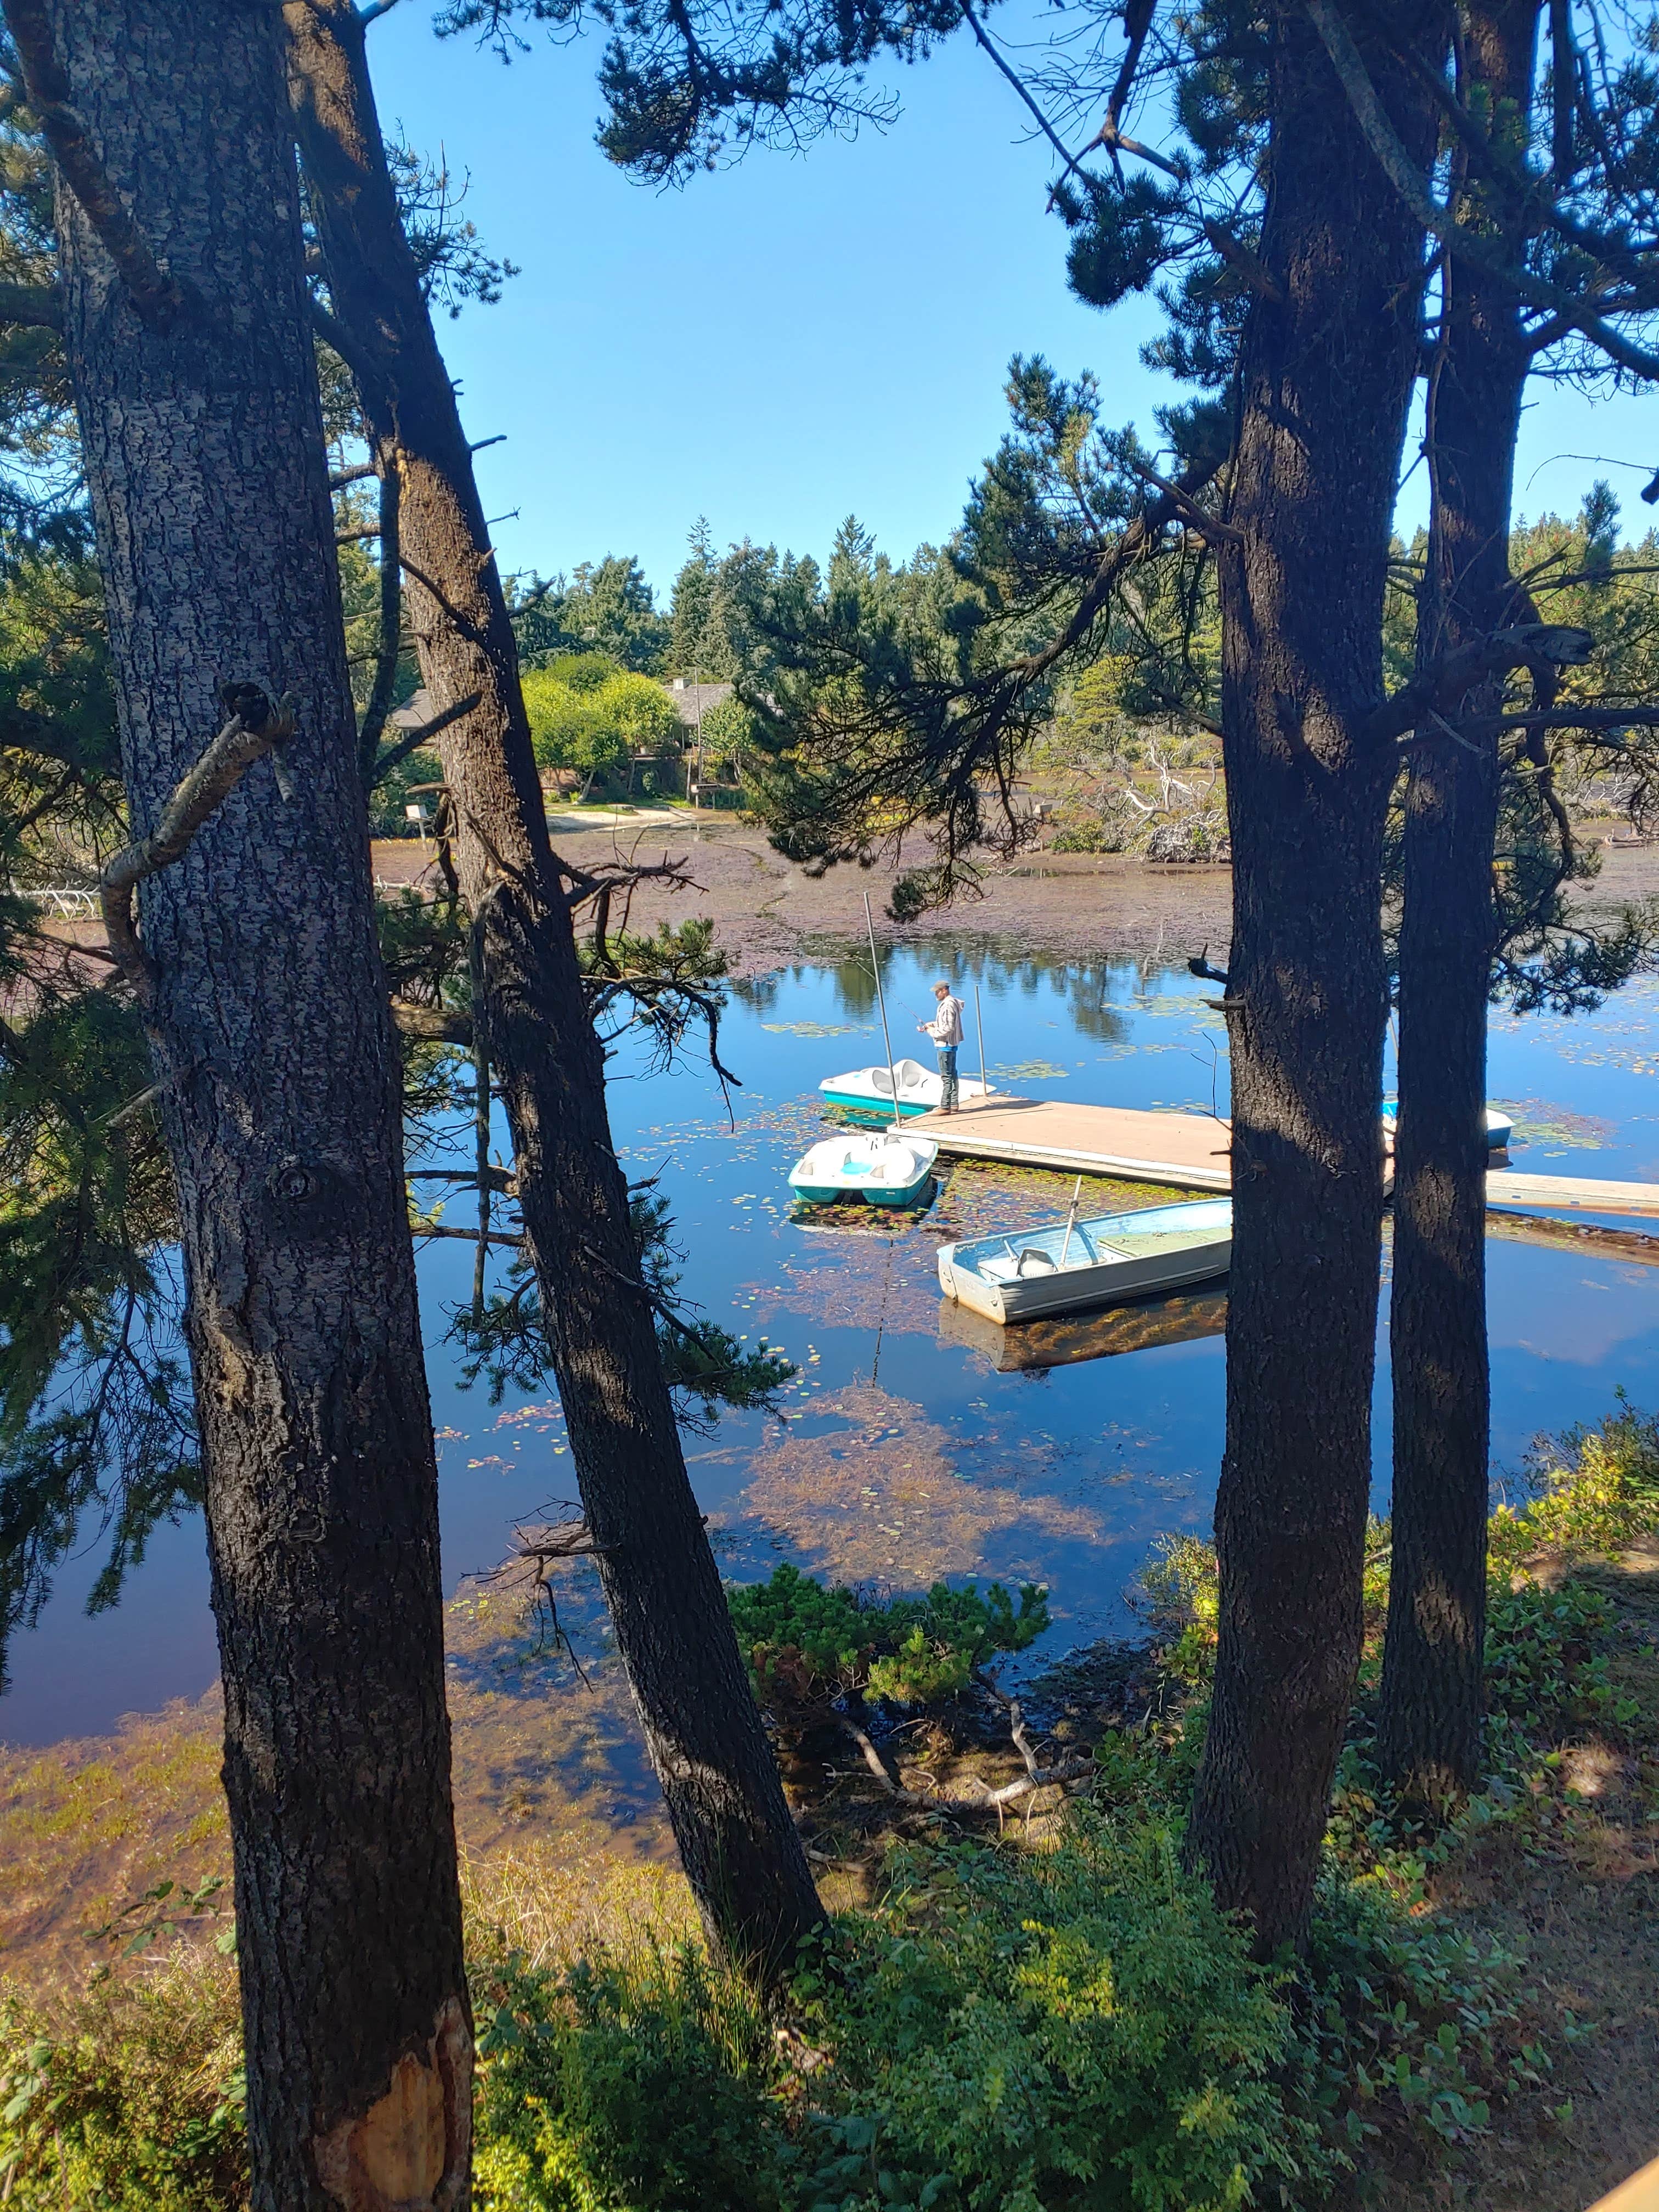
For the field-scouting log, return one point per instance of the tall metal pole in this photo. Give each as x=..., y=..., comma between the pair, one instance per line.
x=870, y=924
x=979, y=1025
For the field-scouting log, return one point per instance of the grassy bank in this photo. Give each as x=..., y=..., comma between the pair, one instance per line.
x=1048, y=2015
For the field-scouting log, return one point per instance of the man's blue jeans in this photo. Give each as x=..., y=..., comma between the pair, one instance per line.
x=947, y=1076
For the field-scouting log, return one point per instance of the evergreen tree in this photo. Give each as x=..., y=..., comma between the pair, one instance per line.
x=534, y=1026
x=700, y=645
x=264, y=1007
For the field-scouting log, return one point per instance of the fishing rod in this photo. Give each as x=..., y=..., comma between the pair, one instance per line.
x=892, y=1079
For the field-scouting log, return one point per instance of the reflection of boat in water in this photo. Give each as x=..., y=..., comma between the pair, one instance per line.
x=882, y=1170
x=1068, y=1338
x=1072, y=1265
x=870, y=1090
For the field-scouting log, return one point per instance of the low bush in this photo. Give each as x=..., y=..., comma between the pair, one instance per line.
x=610, y=2087
x=130, y=2099
x=1595, y=1492
x=1006, y=2031
x=808, y=1643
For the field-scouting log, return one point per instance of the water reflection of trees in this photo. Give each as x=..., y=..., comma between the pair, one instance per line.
x=1098, y=995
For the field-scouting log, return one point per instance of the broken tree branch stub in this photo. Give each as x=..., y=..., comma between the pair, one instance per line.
x=255, y=728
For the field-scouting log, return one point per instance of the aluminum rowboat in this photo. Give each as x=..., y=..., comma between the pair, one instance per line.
x=1116, y=1257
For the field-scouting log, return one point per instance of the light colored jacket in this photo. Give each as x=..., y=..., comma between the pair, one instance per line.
x=945, y=1028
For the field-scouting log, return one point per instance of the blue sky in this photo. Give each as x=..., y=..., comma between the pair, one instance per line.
x=799, y=337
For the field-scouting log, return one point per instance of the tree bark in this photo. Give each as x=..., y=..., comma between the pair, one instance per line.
x=280, y=1096
x=1326, y=372
x=1429, y=1725
x=738, y=1843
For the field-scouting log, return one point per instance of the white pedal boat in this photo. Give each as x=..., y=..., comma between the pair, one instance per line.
x=879, y=1169
x=1066, y=1267
x=870, y=1090
x=1499, y=1128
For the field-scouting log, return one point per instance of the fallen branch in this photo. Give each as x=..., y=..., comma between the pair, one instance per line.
x=255, y=728
x=470, y=1236
x=502, y=1179
x=988, y=1799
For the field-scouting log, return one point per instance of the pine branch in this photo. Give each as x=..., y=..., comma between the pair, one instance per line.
x=1445, y=682
x=25, y=731
x=1573, y=311
x=159, y=298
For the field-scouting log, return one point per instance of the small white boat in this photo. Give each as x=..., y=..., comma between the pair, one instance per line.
x=1499, y=1128
x=1073, y=1264
x=870, y=1090
x=853, y=1163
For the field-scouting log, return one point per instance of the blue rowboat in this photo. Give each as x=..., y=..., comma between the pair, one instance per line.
x=1066, y=1265
x=877, y=1169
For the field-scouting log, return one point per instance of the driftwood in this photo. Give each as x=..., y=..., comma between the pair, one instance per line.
x=985, y=1799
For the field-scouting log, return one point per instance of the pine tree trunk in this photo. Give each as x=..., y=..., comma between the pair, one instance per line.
x=1326, y=374
x=738, y=1843
x=1429, y=1734
x=205, y=455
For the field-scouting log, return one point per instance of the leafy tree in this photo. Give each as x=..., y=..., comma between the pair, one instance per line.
x=728, y=731
x=592, y=727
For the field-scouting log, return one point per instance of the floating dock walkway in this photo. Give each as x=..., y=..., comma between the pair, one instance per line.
x=1191, y=1151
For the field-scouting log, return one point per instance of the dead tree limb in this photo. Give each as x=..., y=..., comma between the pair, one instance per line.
x=412, y=740
x=431, y=1024
x=159, y=298
x=1445, y=681
x=255, y=728
x=392, y=624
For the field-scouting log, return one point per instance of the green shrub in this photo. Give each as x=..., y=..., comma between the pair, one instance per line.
x=1007, y=2031
x=1081, y=2027
x=613, y=2088
x=1597, y=1491
x=132, y=2101
x=1406, y=2020
x=806, y=1643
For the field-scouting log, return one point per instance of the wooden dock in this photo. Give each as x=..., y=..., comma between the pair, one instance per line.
x=1188, y=1150
x=1191, y=1151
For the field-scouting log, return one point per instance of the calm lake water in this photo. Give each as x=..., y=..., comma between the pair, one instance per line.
x=907, y=1454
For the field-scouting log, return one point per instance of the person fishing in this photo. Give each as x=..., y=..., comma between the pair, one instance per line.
x=946, y=1031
